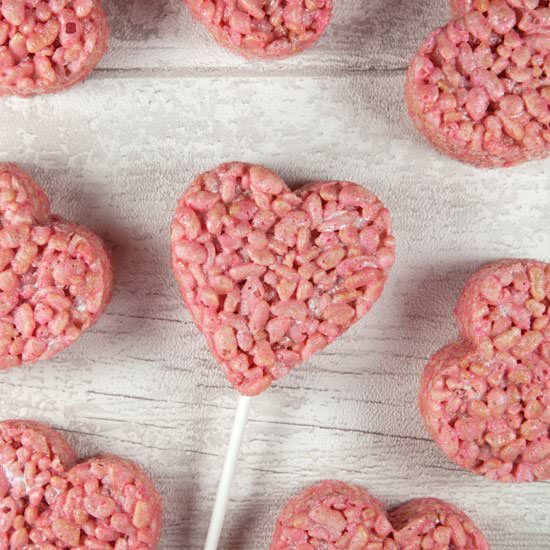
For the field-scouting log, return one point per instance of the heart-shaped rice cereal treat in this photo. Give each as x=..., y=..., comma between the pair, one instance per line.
x=486, y=399
x=55, y=276
x=433, y=523
x=47, y=503
x=271, y=276
x=48, y=46
x=265, y=30
x=478, y=87
x=333, y=515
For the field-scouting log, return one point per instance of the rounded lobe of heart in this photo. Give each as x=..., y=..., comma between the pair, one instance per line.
x=271, y=276
x=433, y=523
x=486, y=399
x=108, y=499
x=333, y=515
x=47, y=501
x=33, y=461
x=477, y=89
x=502, y=295
x=55, y=276
x=264, y=30
x=48, y=47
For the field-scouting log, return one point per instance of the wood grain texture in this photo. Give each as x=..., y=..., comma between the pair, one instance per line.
x=116, y=153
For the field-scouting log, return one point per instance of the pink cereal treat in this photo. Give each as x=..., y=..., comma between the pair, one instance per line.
x=47, y=502
x=108, y=502
x=435, y=524
x=478, y=89
x=55, y=276
x=48, y=46
x=271, y=276
x=331, y=516
x=33, y=461
x=335, y=516
x=486, y=399
x=260, y=29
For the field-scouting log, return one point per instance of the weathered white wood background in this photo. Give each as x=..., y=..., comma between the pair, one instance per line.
x=116, y=152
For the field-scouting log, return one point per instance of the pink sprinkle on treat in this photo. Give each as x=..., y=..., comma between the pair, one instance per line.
x=55, y=276
x=478, y=89
x=271, y=276
x=486, y=399
x=48, y=46
x=264, y=29
x=333, y=515
x=47, y=503
x=434, y=524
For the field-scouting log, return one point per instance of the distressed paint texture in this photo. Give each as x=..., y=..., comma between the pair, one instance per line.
x=116, y=152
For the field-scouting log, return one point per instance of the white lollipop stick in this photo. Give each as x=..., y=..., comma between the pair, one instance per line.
x=222, y=497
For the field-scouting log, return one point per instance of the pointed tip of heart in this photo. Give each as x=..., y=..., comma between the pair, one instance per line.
x=271, y=275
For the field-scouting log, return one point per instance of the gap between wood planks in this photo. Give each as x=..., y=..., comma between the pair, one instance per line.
x=104, y=73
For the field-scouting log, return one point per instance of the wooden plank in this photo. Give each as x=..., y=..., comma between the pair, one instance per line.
x=363, y=34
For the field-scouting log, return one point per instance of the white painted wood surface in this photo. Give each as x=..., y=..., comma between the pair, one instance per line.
x=116, y=152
